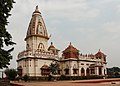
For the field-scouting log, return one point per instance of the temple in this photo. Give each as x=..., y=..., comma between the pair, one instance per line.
x=35, y=60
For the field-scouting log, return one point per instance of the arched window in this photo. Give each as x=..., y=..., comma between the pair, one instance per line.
x=28, y=47
x=66, y=69
x=41, y=46
x=75, y=69
x=40, y=29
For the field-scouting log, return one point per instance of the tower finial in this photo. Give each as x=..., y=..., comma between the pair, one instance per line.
x=70, y=43
x=37, y=7
x=36, y=10
x=99, y=50
x=51, y=43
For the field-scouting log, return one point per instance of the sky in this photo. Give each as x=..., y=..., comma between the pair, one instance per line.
x=89, y=25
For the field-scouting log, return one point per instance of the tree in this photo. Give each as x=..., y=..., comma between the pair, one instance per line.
x=116, y=69
x=5, y=37
x=11, y=74
x=54, y=66
x=113, y=72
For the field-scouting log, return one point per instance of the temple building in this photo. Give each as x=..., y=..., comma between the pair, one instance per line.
x=37, y=57
x=75, y=64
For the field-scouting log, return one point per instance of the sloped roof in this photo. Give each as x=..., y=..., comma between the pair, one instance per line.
x=71, y=52
x=99, y=54
x=37, y=26
x=45, y=67
x=70, y=48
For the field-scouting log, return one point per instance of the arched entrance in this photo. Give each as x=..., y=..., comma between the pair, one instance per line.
x=87, y=72
x=100, y=71
x=82, y=72
x=66, y=71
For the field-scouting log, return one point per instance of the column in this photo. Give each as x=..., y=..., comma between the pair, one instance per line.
x=96, y=71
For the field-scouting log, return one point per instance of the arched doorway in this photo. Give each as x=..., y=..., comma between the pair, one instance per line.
x=82, y=72
x=87, y=72
x=100, y=71
x=66, y=71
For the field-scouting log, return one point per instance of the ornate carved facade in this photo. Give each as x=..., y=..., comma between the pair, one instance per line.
x=37, y=57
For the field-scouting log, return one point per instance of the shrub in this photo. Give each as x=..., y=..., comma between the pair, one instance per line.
x=63, y=77
x=11, y=74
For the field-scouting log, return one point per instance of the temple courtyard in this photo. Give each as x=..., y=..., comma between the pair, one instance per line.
x=94, y=82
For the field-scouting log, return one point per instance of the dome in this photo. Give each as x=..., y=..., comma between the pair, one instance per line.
x=37, y=26
x=51, y=47
x=71, y=52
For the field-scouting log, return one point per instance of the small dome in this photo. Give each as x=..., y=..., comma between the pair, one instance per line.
x=37, y=26
x=53, y=49
x=51, y=46
x=71, y=52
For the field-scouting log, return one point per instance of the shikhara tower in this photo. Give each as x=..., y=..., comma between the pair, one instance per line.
x=36, y=58
x=37, y=36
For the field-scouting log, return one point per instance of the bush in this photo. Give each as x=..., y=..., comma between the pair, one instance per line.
x=11, y=74
x=63, y=77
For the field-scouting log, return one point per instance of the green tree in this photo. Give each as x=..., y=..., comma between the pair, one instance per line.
x=113, y=70
x=5, y=37
x=11, y=74
x=54, y=66
x=116, y=69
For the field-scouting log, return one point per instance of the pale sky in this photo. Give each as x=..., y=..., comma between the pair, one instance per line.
x=89, y=24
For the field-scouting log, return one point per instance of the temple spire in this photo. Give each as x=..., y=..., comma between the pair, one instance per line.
x=70, y=43
x=37, y=10
x=51, y=43
x=99, y=50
